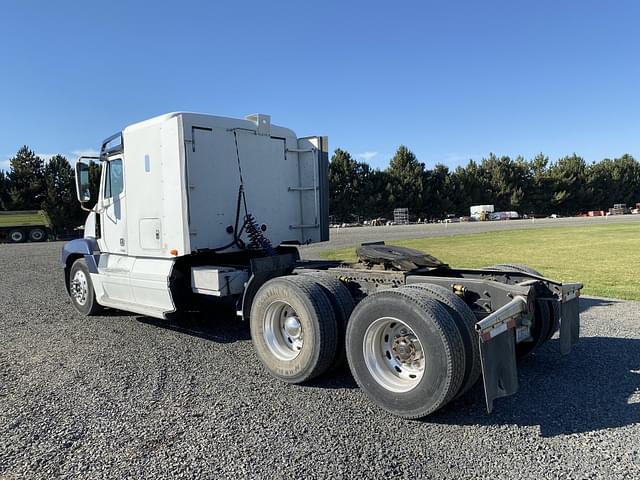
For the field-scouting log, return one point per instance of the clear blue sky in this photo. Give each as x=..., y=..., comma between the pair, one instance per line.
x=451, y=80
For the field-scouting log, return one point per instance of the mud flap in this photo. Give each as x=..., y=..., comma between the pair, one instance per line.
x=497, y=337
x=499, y=369
x=569, y=324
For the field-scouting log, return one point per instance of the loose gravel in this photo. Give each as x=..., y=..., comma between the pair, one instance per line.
x=124, y=396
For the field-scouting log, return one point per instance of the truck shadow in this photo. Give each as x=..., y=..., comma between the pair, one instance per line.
x=588, y=303
x=223, y=326
x=596, y=387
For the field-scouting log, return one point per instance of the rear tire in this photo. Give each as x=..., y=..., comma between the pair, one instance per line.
x=405, y=352
x=343, y=304
x=465, y=320
x=17, y=236
x=37, y=235
x=293, y=328
x=81, y=289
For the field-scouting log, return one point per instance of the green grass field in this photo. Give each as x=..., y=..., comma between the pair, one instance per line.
x=605, y=258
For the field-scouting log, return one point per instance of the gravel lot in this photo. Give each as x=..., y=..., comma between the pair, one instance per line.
x=123, y=396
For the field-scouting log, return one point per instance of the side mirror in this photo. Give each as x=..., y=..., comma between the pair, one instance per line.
x=83, y=189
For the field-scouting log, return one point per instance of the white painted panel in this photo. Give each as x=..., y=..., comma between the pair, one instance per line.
x=218, y=281
x=150, y=283
x=155, y=184
x=269, y=173
x=150, y=234
x=115, y=271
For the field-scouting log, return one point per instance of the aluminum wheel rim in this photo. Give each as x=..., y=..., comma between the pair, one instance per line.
x=17, y=236
x=393, y=354
x=283, y=332
x=80, y=287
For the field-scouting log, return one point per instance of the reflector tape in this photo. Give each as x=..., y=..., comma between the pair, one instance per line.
x=498, y=329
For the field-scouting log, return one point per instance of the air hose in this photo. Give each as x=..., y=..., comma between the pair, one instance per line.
x=250, y=225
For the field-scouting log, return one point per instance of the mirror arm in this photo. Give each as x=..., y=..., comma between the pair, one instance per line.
x=87, y=209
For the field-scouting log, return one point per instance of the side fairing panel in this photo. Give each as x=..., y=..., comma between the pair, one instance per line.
x=154, y=186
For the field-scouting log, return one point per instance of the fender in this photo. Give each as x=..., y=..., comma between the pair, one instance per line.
x=262, y=270
x=81, y=247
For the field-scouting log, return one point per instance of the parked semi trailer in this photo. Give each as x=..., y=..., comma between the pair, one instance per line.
x=22, y=225
x=194, y=207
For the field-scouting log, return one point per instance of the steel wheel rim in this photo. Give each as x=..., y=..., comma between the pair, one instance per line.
x=37, y=235
x=17, y=236
x=283, y=332
x=393, y=354
x=80, y=287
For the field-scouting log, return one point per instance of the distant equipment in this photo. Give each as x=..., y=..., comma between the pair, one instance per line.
x=504, y=216
x=619, y=209
x=401, y=216
x=25, y=225
x=481, y=212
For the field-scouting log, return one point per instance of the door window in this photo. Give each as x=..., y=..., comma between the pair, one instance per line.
x=115, y=180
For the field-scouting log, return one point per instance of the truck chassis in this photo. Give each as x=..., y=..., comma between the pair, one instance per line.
x=514, y=309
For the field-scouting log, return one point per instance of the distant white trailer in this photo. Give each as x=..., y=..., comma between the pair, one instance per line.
x=477, y=212
x=477, y=209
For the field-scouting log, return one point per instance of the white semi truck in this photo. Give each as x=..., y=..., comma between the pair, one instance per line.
x=195, y=207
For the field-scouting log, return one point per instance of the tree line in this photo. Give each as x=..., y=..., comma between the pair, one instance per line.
x=357, y=191
x=35, y=184
x=537, y=186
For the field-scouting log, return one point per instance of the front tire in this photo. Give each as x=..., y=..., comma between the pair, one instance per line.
x=293, y=328
x=81, y=289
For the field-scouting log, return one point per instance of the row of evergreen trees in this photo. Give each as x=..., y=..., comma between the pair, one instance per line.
x=33, y=184
x=568, y=186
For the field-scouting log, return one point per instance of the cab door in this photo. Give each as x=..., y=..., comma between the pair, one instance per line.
x=114, y=265
x=113, y=217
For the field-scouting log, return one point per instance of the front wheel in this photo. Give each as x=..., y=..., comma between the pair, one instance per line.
x=81, y=289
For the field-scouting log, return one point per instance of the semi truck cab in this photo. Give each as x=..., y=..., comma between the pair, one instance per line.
x=181, y=185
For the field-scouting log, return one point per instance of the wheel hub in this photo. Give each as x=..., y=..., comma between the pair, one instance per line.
x=405, y=348
x=283, y=331
x=393, y=354
x=79, y=287
x=293, y=327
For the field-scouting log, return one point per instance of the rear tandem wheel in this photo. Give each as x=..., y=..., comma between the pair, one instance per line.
x=465, y=321
x=293, y=328
x=405, y=351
